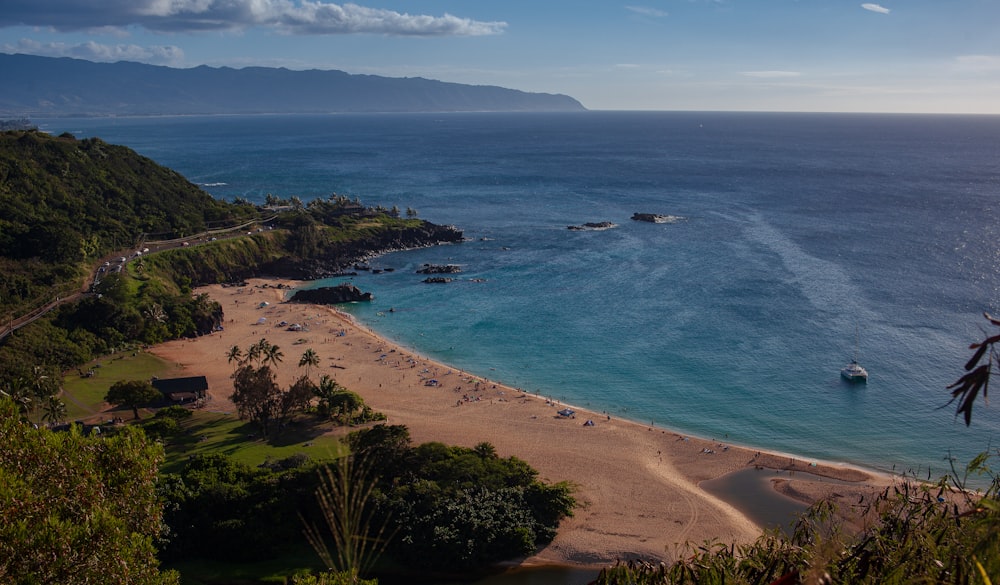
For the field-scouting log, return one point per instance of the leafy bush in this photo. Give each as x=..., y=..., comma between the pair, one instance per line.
x=76, y=509
x=161, y=427
x=456, y=508
x=220, y=509
x=174, y=412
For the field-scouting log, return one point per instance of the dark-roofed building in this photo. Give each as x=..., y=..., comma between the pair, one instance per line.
x=182, y=389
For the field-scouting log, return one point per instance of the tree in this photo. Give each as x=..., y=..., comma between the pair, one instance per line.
x=385, y=447
x=222, y=509
x=256, y=395
x=296, y=398
x=260, y=353
x=272, y=355
x=18, y=391
x=235, y=354
x=132, y=394
x=75, y=509
x=456, y=507
x=335, y=401
x=346, y=404
x=309, y=360
x=44, y=381
x=154, y=313
x=53, y=410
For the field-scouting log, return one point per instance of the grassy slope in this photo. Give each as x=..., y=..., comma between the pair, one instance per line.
x=84, y=397
x=208, y=432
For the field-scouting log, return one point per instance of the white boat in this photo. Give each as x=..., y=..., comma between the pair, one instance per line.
x=854, y=372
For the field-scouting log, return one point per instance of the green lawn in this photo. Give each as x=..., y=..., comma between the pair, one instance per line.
x=213, y=432
x=206, y=431
x=84, y=396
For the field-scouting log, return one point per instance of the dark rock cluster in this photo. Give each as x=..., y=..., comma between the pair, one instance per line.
x=600, y=225
x=656, y=218
x=440, y=269
x=331, y=295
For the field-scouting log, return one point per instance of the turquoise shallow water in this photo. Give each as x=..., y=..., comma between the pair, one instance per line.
x=799, y=230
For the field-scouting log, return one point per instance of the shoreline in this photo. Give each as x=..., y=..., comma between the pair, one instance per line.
x=637, y=485
x=836, y=470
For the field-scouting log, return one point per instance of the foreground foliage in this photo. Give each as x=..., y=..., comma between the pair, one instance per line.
x=219, y=509
x=333, y=578
x=428, y=506
x=919, y=534
x=456, y=508
x=76, y=509
x=347, y=508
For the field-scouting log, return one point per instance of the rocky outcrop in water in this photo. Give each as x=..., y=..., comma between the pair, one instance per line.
x=593, y=226
x=331, y=295
x=440, y=269
x=656, y=218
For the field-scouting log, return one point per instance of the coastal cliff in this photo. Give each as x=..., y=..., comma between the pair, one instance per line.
x=336, y=257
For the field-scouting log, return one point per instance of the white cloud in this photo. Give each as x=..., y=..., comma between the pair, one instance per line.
x=978, y=63
x=770, y=74
x=875, y=8
x=91, y=51
x=647, y=11
x=311, y=17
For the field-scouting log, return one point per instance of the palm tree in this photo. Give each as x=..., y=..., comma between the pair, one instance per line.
x=54, y=410
x=309, y=360
x=235, y=354
x=42, y=383
x=155, y=313
x=272, y=354
x=255, y=350
x=18, y=391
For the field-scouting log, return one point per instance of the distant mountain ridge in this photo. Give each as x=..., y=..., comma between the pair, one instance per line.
x=56, y=87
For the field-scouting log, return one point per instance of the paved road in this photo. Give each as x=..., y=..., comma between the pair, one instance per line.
x=122, y=257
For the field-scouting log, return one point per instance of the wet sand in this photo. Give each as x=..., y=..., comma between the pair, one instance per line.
x=637, y=485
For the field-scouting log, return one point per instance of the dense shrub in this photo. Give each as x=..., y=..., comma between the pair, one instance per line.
x=456, y=508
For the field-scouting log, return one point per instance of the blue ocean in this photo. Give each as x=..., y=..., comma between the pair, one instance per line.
x=805, y=240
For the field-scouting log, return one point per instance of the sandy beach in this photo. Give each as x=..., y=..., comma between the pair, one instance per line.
x=637, y=485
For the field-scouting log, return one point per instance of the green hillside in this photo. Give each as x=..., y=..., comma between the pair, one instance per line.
x=68, y=203
x=72, y=209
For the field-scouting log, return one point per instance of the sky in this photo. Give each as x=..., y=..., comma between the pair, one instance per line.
x=906, y=56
